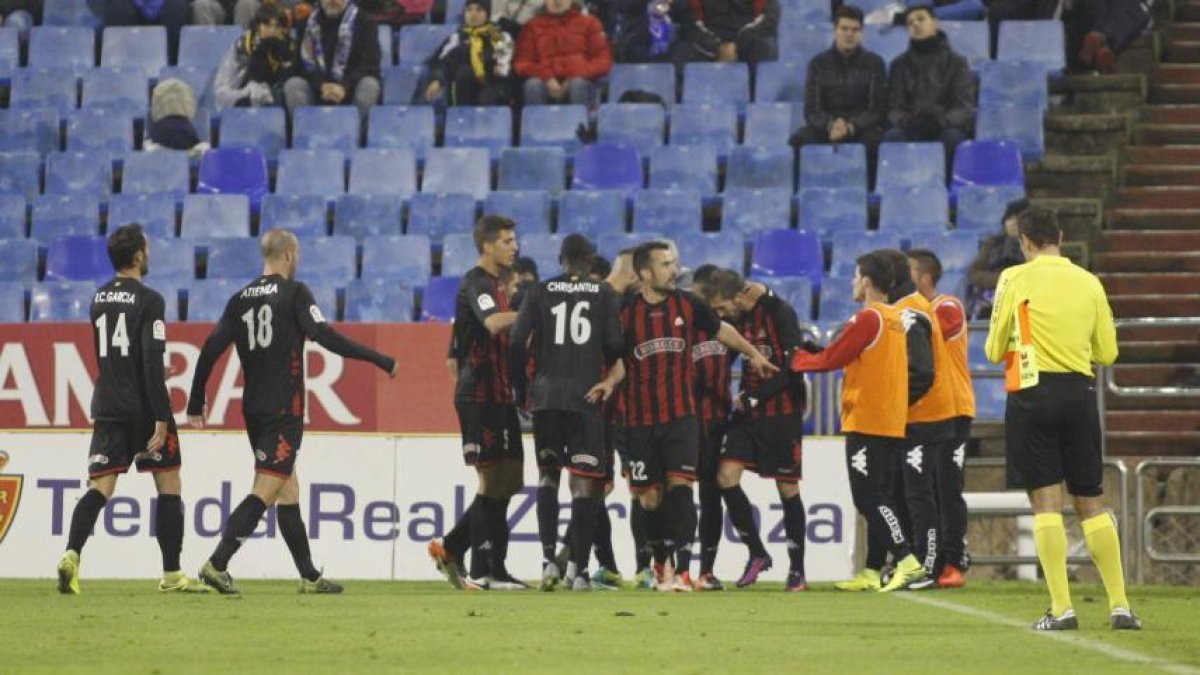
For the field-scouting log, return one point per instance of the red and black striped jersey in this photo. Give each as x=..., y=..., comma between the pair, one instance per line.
x=713, y=366
x=482, y=357
x=771, y=326
x=658, y=356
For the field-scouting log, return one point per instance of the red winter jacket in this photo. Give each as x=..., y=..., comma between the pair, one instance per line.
x=563, y=46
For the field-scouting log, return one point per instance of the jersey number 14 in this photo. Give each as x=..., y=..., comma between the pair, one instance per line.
x=120, y=335
x=581, y=326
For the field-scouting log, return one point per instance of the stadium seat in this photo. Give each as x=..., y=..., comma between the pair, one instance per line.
x=52, y=302
x=529, y=208
x=458, y=254
x=263, y=127
x=705, y=124
x=555, y=125
x=62, y=215
x=977, y=351
x=787, y=253
x=457, y=170
x=591, y=212
x=207, y=299
x=215, y=216
x=454, y=11
x=324, y=293
x=610, y=244
x=88, y=173
x=311, y=172
x=304, y=215
x=201, y=82
x=234, y=258
x=827, y=210
x=716, y=83
x=796, y=291
x=364, y=215
x=804, y=12
x=68, y=47
x=723, y=249
x=971, y=39
x=848, y=246
x=155, y=212
x=538, y=168
x=956, y=250
x=13, y=213
x=986, y=162
x=910, y=164
x=379, y=301
x=18, y=260
x=437, y=214
x=52, y=88
x=607, y=166
x=400, y=84
x=768, y=124
x=990, y=396
x=684, y=166
x=10, y=51
x=12, y=302
x=141, y=47
x=655, y=78
x=403, y=260
x=325, y=127
x=237, y=170
x=78, y=258
x=954, y=283
x=172, y=260
x=887, y=41
x=544, y=250
x=418, y=42
x=119, y=90
x=1011, y=122
x=919, y=207
x=642, y=125
x=980, y=207
x=1019, y=82
x=837, y=299
x=676, y=213
x=1036, y=41
x=161, y=171
x=34, y=130
x=100, y=131
x=833, y=166
x=69, y=13
x=479, y=127
x=204, y=46
x=438, y=302
x=387, y=46
x=803, y=41
x=745, y=211
x=760, y=167
x=384, y=171
x=332, y=260
x=21, y=174
x=401, y=126
x=781, y=81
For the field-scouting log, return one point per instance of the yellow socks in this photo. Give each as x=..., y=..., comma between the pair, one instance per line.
x=1100, y=533
x=1051, y=539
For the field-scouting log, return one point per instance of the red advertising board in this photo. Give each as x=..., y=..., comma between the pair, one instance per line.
x=47, y=371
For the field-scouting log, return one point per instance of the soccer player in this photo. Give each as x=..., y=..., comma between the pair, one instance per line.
x=765, y=434
x=1050, y=324
x=572, y=324
x=268, y=321
x=132, y=411
x=953, y=560
x=873, y=351
x=661, y=324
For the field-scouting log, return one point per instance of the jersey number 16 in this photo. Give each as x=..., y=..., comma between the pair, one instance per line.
x=581, y=326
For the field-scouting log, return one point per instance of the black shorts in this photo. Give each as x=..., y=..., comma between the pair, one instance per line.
x=275, y=440
x=658, y=451
x=491, y=432
x=1052, y=435
x=712, y=443
x=770, y=446
x=117, y=445
x=574, y=440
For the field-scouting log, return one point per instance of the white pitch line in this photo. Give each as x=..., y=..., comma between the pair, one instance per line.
x=1068, y=637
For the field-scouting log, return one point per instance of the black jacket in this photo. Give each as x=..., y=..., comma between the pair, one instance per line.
x=920, y=346
x=931, y=78
x=852, y=87
x=363, y=60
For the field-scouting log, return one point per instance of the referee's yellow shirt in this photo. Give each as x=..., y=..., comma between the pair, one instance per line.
x=1070, y=321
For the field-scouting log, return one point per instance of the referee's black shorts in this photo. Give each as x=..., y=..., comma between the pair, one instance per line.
x=1052, y=435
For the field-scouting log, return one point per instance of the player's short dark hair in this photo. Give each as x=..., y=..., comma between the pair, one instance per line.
x=876, y=267
x=927, y=263
x=725, y=284
x=643, y=253
x=898, y=262
x=1040, y=226
x=489, y=228
x=576, y=252
x=269, y=12
x=526, y=265
x=123, y=245
x=703, y=273
x=848, y=12
x=600, y=266
x=927, y=8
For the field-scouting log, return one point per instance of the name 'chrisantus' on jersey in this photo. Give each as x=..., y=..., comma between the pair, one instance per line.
x=129, y=335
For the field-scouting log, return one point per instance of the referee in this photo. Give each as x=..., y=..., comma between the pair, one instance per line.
x=1051, y=322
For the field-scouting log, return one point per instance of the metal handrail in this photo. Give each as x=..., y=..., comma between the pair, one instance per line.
x=1143, y=523
x=1111, y=385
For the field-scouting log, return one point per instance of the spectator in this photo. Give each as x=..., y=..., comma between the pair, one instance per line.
x=172, y=119
x=997, y=254
x=474, y=64
x=654, y=31
x=20, y=14
x=512, y=15
x=243, y=11
x=1098, y=30
x=932, y=94
x=253, y=71
x=562, y=51
x=735, y=30
x=396, y=13
x=845, y=94
x=339, y=59
x=171, y=14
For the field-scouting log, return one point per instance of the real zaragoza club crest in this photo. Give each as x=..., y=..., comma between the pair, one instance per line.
x=10, y=495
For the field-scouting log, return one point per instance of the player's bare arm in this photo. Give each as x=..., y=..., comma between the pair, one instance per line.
x=761, y=365
x=604, y=388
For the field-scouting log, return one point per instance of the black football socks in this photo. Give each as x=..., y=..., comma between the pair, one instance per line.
x=602, y=544
x=583, y=530
x=291, y=526
x=682, y=507
x=83, y=519
x=458, y=539
x=239, y=527
x=547, y=518
x=795, y=525
x=711, y=517
x=168, y=529
x=742, y=515
x=637, y=527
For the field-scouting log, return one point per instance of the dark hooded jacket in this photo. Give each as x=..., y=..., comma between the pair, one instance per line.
x=930, y=78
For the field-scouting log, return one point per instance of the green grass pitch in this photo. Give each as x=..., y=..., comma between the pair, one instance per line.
x=128, y=627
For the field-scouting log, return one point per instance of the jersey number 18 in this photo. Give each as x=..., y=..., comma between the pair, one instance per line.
x=261, y=335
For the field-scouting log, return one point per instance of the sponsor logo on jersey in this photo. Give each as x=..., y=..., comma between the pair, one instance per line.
x=98, y=459
x=709, y=348
x=585, y=459
x=486, y=302
x=10, y=495
x=317, y=316
x=679, y=322
x=658, y=346
x=160, y=330
x=258, y=291
x=260, y=455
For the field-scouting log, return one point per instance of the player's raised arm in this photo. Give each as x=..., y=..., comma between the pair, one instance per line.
x=790, y=338
x=863, y=329
x=729, y=337
x=314, y=325
x=215, y=345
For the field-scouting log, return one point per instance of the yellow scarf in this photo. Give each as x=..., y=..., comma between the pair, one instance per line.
x=479, y=37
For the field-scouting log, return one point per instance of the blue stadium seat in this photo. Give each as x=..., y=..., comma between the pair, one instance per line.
x=21, y=174
x=172, y=260
x=311, y=172
x=642, y=125
x=544, y=250
x=387, y=46
x=398, y=259
x=88, y=173
x=418, y=42
x=457, y=170
x=760, y=167
x=52, y=88
x=887, y=41
x=69, y=13
x=529, y=208
x=155, y=212
x=538, y=168
x=201, y=82
x=384, y=171
x=51, y=302
x=768, y=124
x=802, y=12
x=10, y=51
x=100, y=131
x=458, y=254
x=1011, y=122
x=363, y=215
x=723, y=249
x=169, y=290
x=304, y=215
x=401, y=126
x=237, y=170
x=204, y=46
x=796, y=291
x=78, y=258
x=61, y=215
x=980, y=207
x=264, y=127
x=676, y=213
x=1020, y=82
x=161, y=171
x=977, y=351
x=827, y=210
x=832, y=166
x=207, y=299
x=803, y=41
x=454, y=11
x=848, y=246
x=379, y=301
x=656, y=78
x=684, y=166
x=438, y=302
x=325, y=127
x=69, y=47
x=910, y=164
x=1037, y=41
x=12, y=302
x=716, y=83
x=215, y=215
x=18, y=260
x=986, y=162
x=745, y=211
x=438, y=213
x=787, y=253
x=400, y=84
x=956, y=250
x=233, y=258
x=141, y=47
x=33, y=130
x=554, y=125
x=591, y=212
x=990, y=396
x=781, y=81
x=705, y=124
x=837, y=299
x=479, y=127
x=13, y=213
x=119, y=90
x=971, y=39
x=953, y=283
x=610, y=244
x=330, y=260
x=919, y=207
x=607, y=166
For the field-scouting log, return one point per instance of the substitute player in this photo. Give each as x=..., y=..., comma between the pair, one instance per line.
x=1050, y=324
x=268, y=321
x=132, y=411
